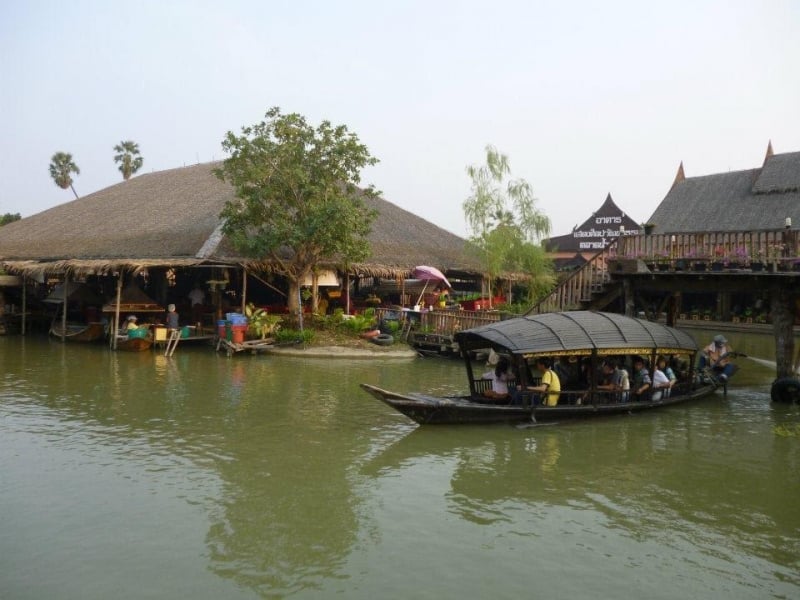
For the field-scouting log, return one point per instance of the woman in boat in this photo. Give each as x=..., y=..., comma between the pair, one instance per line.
x=130, y=323
x=500, y=378
x=661, y=383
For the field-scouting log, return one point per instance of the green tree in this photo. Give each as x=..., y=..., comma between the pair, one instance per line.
x=9, y=218
x=61, y=169
x=297, y=201
x=128, y=158
x=506, y=225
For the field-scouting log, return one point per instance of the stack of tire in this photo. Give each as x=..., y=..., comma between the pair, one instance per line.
x=785, y=390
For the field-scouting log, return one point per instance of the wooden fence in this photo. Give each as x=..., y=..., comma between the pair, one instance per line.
x=442, y=322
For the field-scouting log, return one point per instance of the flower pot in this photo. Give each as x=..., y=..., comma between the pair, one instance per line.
x=756, y=266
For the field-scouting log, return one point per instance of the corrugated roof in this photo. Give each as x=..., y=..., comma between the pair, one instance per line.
x=556, y=333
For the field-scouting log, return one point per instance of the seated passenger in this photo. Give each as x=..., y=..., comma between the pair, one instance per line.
x=500, y=377
x=550, y=387
x=130, y=323
x=661, y=384
x=715, y=357
x=641, y=379
x=661, y=365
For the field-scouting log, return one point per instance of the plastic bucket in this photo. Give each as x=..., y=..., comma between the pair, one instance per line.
x=186, y=331
x=237, y=333
x=137, y=333
x=221, y=328
x=228, y=330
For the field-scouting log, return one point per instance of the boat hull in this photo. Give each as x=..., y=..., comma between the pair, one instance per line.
x=92, y=332
x=134, y=344
x=431, y=410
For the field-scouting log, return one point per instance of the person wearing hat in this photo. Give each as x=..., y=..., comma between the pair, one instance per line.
x=172, y=317
x=716, y=357
x=130, y=323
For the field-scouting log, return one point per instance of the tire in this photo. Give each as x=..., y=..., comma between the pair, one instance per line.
x=384, y=339
x=785, y=390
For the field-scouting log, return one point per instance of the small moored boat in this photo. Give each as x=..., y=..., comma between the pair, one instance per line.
x=576, y=339
x=88, y=332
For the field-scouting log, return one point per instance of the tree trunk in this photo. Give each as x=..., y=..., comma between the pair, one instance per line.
x=293, y=299
x=73, y=191
x=314, y=293
x=782, y=325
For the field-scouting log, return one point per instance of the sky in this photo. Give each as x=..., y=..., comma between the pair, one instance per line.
x=585, y=98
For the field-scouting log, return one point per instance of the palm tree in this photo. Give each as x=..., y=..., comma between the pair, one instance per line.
x=128, y=158
x=61, y=168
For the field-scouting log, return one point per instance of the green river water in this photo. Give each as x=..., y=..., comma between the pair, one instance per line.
x=203, y=476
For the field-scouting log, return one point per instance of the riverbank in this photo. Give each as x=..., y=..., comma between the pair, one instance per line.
x=328, y=344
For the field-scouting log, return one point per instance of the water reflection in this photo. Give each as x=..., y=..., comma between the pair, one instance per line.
x=697, y=475
x=286, y=468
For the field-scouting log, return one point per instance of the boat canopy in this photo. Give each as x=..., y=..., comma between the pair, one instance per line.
x=576, y=333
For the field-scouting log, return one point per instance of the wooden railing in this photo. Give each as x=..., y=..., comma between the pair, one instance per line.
x=578, y=288
x=775, y=245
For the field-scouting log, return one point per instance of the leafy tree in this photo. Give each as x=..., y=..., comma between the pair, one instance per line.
x=8, y=218
x=61, y=169
x=506, y=224
x=128, y=158
x=297, y=201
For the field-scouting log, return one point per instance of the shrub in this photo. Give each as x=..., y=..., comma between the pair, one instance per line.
x=294, y=335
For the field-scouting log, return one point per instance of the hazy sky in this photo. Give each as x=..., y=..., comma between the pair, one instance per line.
x=585, y=98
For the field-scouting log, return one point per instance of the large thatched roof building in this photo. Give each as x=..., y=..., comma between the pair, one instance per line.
x=171, y=218
x=750, y=200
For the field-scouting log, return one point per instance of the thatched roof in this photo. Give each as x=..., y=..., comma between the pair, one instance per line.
x=172, y=218
x=750, y=200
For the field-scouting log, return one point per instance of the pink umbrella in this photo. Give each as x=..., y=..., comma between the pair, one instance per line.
x=428, y=274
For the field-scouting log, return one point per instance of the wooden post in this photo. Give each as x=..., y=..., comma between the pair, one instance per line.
x=244, y=289
x=24, y=304
x=112, y=331
x=627, y=290
x=782, y=301
x=64, y=308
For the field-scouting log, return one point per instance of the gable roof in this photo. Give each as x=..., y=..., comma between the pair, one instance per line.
x=596, y=232
x=748, y=200
x=172, y=217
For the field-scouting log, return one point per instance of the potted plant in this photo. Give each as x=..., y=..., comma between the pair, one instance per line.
x=698, y=259
x=662, y=260
x=719, y=258
x=757, y=260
